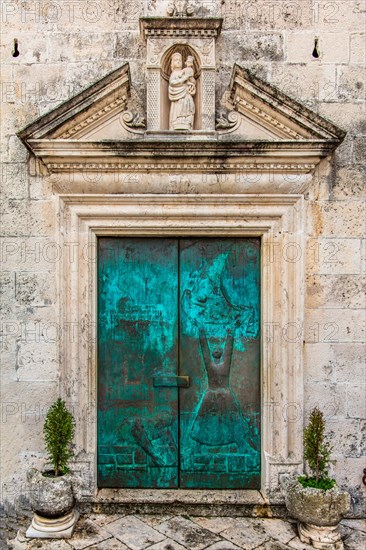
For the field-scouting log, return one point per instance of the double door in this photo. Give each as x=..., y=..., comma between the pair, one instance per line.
x=178, y=362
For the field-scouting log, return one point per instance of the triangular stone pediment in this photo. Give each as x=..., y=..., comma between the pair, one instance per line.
x=256, y=111
x=268, y=113
x=93, y=114
x=259, y=128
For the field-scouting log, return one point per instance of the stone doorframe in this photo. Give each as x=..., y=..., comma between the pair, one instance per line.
x=277, y=219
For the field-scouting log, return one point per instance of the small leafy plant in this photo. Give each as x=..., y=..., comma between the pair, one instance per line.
x=316, y=453
x=58, y=430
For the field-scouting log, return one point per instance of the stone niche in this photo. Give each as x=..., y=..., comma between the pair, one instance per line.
x=190, y=37
x=239, y=172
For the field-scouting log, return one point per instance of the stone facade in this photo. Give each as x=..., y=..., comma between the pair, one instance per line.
x=64, y=48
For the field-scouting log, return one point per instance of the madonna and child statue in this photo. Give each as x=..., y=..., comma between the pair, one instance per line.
x=182, y=88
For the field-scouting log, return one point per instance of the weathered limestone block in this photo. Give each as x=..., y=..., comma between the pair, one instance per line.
x=342, y=291
x=349, y=183
x=360, y=150
x=334, y=325
x=25, y=218
x=340, y=17
x=80, y=47
x=128, y=45
x=346, y=355
x=309, y=83
x=343, y=156
x=7, y=292
x=327, y=362
x=351, y=117
x=337, y=219
x=251, y=47
x=36, y=289
x=351, y=83
x=328, y=396
x=358, y=48
x=37, y=361
x=265, y=16
x=36, y=253
x=356, y=403
x=14, y=181
x=333, y=257
x=348, y=437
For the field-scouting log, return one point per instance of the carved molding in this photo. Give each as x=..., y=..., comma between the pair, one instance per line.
x=132, y=121
x=266, y=104
x=193, y=27
x=109, y=109
x=227, y=122
x=89, y=108
x=278, y=220
x=263, y=115
x=259, y=167
x=180, y=8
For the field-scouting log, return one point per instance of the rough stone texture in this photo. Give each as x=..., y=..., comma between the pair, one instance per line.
x=320, y=508
x=63, y=48
x=50, y=496
x=186, y=534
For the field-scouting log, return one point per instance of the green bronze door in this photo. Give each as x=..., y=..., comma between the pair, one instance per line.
x=178, y=363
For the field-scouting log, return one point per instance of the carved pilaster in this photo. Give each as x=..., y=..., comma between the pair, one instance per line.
x=153, y=100
x=208, y=99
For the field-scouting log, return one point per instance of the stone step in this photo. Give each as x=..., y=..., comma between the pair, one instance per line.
x=187, y=502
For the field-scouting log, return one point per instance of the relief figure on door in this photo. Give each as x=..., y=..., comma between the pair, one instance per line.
x=219, y=420
x=148, y=432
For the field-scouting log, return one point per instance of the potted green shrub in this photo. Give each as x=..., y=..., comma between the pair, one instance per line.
x=314, y=499
x=51, y=491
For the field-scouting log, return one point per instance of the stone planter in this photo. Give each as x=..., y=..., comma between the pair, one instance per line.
x=52, y=501
x=318, y=513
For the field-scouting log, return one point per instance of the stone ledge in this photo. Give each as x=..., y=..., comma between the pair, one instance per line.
x=178, y=501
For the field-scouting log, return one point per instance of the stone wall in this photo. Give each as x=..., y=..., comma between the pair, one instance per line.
x=65, y=46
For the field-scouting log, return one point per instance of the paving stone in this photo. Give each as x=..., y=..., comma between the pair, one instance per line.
x=344, y=530
x=296, y=544
x=153, y=520
x=48, y=544
x=279, y=529
x=87, y=533
x=216, y=524
x=272, y=545
x=194, y=534
x=167, y=544
x=223, y=545
x=359, y=524
x=187, y=533
x=355, y=541
x=133, y=532
x=246, y=533
x=103, y=519
x=109, y=544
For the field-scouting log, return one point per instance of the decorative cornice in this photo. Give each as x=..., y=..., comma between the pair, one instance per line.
x=84, y=109
x=264, y=102
x=193, y=27
x=261, y=114
x=171, y=146
x=118, y=104
x=174, y=167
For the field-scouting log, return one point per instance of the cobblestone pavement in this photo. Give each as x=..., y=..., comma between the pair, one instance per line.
x=137, y=532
